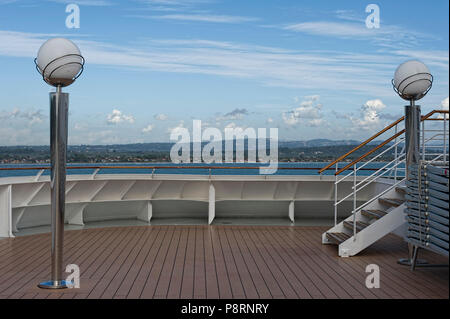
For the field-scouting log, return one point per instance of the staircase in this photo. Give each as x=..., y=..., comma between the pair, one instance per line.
x=370, y=224
x=383, y=213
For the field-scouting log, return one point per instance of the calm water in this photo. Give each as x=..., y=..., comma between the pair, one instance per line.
x=163, y=169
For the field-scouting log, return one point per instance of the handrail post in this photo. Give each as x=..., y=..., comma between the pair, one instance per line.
x=354, y=202
x=423, y=141
x=396, y=155
x=335, y=195
x=445, y=139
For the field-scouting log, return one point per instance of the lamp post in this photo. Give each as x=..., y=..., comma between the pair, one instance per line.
x=412, y=81
x=60, y=63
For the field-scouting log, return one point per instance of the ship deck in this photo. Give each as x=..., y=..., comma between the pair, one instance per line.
x=215, y=262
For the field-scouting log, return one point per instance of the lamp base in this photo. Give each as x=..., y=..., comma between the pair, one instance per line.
x=407, y=262
x=54, y=284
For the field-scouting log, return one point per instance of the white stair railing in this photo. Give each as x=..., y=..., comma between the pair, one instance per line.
x=434, y=149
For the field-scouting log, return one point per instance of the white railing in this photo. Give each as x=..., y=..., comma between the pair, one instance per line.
x=434, y=149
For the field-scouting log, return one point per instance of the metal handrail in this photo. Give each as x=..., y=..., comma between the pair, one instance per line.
x=389, y=168
x=339, y=159
x=425, y=117
x=18, y=168
x=371, y=160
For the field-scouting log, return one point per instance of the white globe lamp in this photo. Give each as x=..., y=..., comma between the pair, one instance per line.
x=412, y=80
x=59, y=61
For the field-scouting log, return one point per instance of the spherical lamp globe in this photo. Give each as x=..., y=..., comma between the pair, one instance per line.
x=412, y=80
x=59, y=61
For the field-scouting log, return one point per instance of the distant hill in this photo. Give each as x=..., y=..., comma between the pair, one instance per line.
x=165, y=147
x=312, y=150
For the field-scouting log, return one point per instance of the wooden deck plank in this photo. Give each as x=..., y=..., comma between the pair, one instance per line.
x=176, y=278
x=245, y=272
x=214, y=262
x=126, y=267
x=343, y=269
x=301, y=262
x=393, y=248
x=152, y=279
x=212, y=287
x=286, y=278
x=20, y=256
x=187, y=285
x=393, y=289
x=325, y=267
x=223, y=277
x=199, y=266
x=273, y=276
x=424, y=285
x=140, y=281
x=264, y=282
x=232, y=273
x=135, y=269
x=163, y=283
x=33, y=269
x=113, y=264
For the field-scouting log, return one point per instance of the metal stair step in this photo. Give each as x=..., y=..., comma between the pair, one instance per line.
x=359, y=225
x=393, y=202
x=401, y=190
x=337, y=238
x=371, y=213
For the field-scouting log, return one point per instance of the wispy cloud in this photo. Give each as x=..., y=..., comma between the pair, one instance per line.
x=236, y=114
x=386, y=35
x=117, y=117
x=270, y=66
x=161, y=117
x=201, y=18
x=309, y=112
x=32, y=116
x=7, y=1
x=148, y=128
x=89, y=3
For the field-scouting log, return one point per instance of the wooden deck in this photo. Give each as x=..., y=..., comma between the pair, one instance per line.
x=214, y=262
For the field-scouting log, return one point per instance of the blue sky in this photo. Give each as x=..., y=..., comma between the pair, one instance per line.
x=311, y=68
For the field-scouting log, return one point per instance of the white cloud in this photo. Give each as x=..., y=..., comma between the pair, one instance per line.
x=335, y=29
x=147, y=129
x=271, y=66
x=92, y=3
x=387, y=35
x=117, y=117
x=161, y=117
x=444, y=107
x=370, y=115
x=33, y=117
x=309, y=112
x=177, y=129
x=80, y=126
x=236, y=114
x=444, y=104
x=201, y=18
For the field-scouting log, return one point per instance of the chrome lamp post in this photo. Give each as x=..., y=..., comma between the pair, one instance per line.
x=60, y=63
x=412, y=81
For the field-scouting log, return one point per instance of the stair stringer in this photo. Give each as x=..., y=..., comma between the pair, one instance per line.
x=350, y=247
x=377, y=230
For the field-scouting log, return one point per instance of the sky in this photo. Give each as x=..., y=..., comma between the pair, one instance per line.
x=312, y=69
